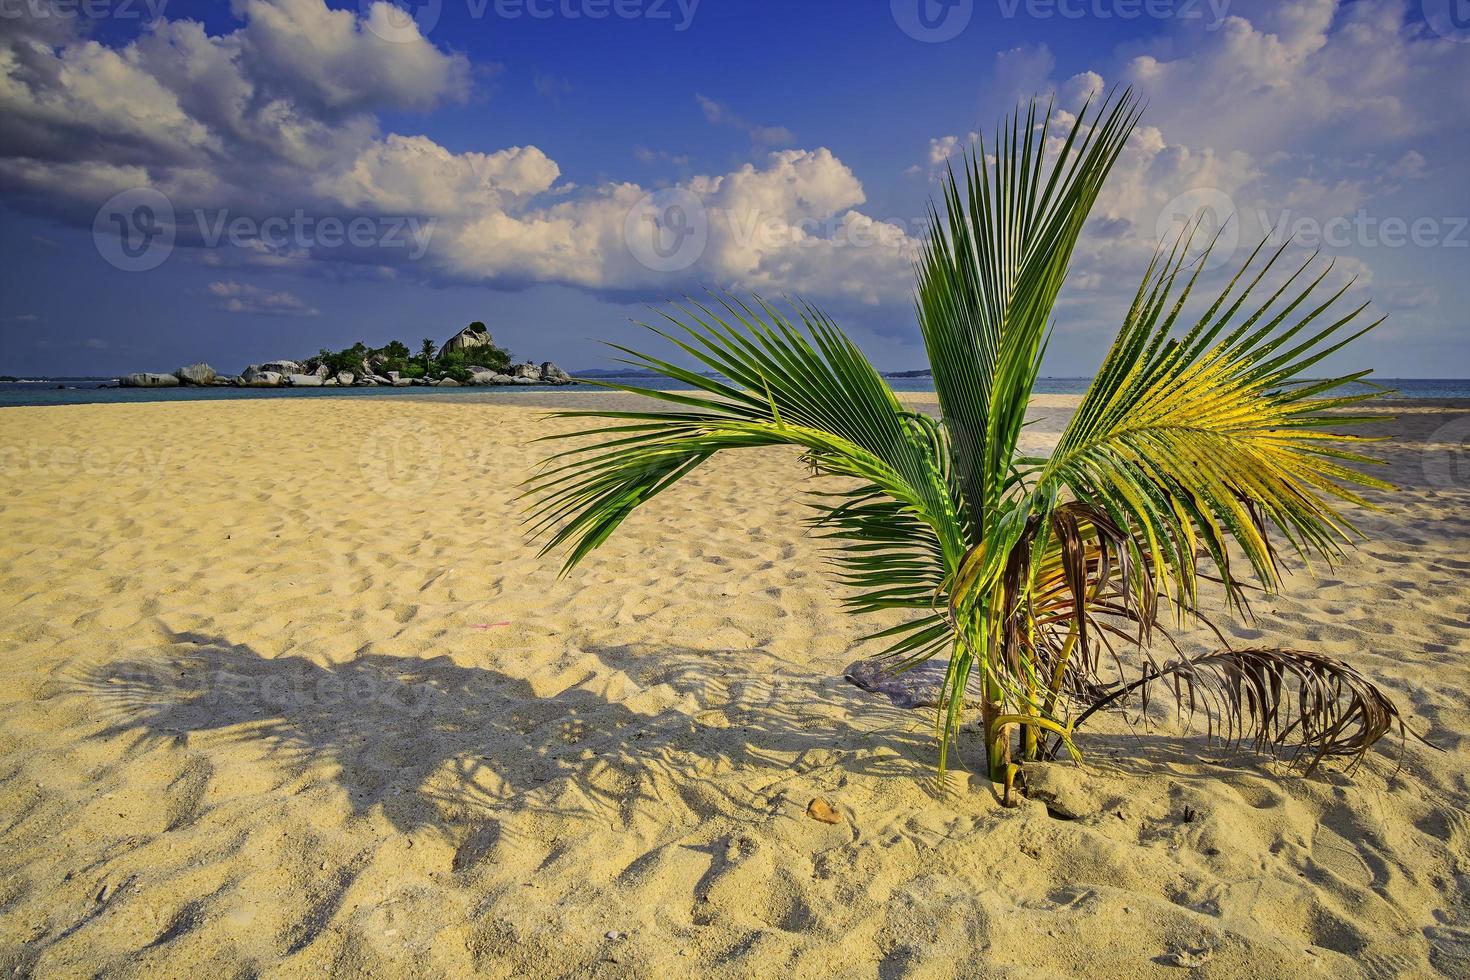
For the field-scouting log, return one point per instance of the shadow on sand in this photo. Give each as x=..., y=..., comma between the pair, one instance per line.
x=428, y=741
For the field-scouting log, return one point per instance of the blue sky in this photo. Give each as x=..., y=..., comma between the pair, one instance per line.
x=503, y=167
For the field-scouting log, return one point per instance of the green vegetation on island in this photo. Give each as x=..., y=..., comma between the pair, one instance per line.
x=470, y=357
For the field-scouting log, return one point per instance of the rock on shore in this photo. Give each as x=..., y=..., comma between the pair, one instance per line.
x=148, y=379
x=273, y=374
x=196, y=374
x=521, y=374
x=473, y=336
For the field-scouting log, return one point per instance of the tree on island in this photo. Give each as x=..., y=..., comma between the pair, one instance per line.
x=396, y=350
x=471, y=348
x=392, y=357
x=350, y=359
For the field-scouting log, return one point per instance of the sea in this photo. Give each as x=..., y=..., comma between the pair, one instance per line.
x=88, y=391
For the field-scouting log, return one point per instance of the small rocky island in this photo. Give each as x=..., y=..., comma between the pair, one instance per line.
x=470, y=357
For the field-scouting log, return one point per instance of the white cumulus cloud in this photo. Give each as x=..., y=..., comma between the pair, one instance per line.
x=281, y=114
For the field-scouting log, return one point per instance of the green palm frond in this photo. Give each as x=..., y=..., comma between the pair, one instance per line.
x=887, y=559
x=800, y=383
x=1214, y=436
x=990, y=273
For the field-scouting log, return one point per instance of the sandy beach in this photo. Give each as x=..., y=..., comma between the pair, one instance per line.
x=286, y=691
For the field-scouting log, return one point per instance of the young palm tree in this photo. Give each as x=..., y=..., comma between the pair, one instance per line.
x=1192, y=440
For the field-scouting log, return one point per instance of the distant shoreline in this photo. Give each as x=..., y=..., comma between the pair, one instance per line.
x=81, y=391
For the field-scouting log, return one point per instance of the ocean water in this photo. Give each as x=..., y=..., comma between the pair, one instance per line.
x=86, y=391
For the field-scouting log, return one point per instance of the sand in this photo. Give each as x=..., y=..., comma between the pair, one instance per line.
x=286, y=691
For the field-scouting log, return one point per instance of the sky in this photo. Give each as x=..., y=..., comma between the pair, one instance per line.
x=242, y=181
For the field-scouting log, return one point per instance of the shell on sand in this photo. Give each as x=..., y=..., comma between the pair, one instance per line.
x=821, y=809
x=249, y=724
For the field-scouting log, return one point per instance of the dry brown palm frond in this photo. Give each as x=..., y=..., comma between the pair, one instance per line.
x=1275, y=698
x=1085, y=580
